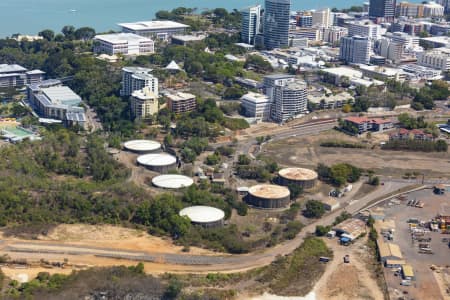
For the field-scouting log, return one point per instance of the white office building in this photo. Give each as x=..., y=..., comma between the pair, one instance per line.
x=322, y=18
x=17, y=76
x=289, y=100
x=123, y=43
x=256, y=106
x=365, y=29
x=437, y=59
x=136, y=78
x=432, y=9
x=334, y=34
x=50, y=99
x=251, y=23
x=355, y=49
x=162, y=30
x=144, y=103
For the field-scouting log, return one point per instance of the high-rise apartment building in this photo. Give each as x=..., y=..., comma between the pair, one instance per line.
x=136, y=78
x=251, y=22
x=270, y=81
x=276, y=23
x=321, y=18
x=334, y=34
x=382, y=9
x=289, y=100
x=355, y=49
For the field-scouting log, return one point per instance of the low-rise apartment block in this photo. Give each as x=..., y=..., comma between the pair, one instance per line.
x=359, y=125
x=436, y=58
x=415, y=134
x=181, y=102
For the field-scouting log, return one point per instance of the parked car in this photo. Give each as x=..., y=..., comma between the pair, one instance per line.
x=405, y=282
x=347, y=259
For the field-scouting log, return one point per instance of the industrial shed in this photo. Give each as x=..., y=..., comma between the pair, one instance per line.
x=352, y=228
x=408, y=272
x=330, y=204
x=389, y=251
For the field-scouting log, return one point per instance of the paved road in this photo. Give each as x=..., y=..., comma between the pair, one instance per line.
x=92, y=119
x=198, y=263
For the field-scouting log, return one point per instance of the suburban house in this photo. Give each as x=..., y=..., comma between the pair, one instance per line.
x=415, y=134
x=359, y=125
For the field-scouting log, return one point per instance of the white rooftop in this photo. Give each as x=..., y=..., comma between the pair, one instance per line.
x=172, y=181
x=61, y=95
x=203, y=214
x=180, y=96
x=255, y=98
x=144, y=94
x=157, y=159
x=381, y=70
x=152, y=25
x=173, y=66
x=344, y=71
x=121, y=38
x=142, y=145
x=189, y=38
x=5, y=68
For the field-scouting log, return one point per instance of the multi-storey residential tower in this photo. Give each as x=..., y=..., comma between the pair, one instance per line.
x=276, y=23
x=251, y=22
x=355, y=49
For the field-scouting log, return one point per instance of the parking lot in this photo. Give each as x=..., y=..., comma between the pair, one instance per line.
x=425, y=285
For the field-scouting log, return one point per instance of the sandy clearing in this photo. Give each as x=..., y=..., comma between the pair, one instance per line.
x=109, y=236
x=358, y=283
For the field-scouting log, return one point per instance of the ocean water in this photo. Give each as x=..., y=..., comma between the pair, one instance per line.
x=31, y=16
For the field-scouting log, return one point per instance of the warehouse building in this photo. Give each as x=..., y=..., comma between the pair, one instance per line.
x=305, y=178
x=330, y=204
x=350, y=228
x=389, y=251
x=408, y=272
x=268, y=196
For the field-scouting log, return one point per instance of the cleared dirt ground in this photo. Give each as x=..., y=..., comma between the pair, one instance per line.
x=108, y=236
x=348, y=281
x=307, y=152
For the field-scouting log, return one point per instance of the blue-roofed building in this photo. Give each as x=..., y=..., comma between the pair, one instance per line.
x=50, y=99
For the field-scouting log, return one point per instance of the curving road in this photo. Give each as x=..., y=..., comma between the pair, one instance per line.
x=198, y=263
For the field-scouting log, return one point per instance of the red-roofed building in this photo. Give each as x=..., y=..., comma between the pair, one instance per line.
x=363, y=124
x=415, y=134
